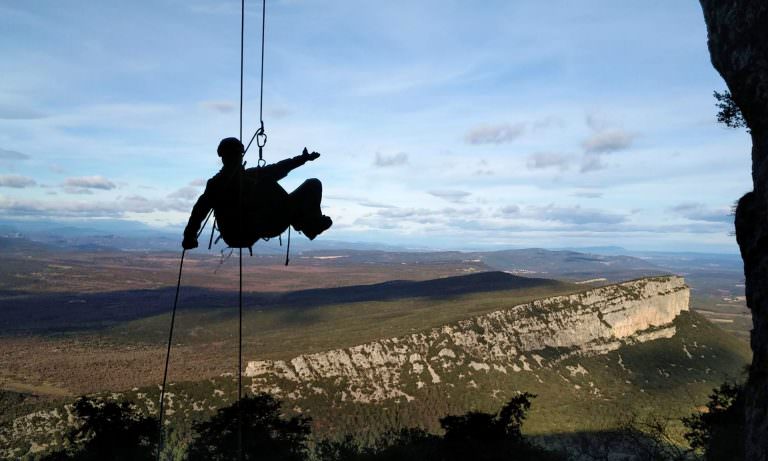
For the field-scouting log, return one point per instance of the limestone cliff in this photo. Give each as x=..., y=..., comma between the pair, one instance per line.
x=738, y=46
x=509, y=340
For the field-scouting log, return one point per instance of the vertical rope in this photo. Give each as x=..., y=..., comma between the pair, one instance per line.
x=240, y=292
x=167, y=358
x=242, y=60
x=261, y=90
x=240, y=365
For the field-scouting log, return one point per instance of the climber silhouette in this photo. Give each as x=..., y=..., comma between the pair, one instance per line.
x=249, y=203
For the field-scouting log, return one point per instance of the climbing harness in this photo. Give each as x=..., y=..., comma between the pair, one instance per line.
x=260, y=137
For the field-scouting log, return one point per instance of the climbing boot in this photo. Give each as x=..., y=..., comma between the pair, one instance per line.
x=317, y=227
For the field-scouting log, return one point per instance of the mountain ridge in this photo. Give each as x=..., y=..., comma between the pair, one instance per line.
x=590, y=322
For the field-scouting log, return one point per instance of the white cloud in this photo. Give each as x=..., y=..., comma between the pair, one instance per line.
x=186, y=193
x=494, y=134
x=390, y=160
x=510, y=210
x=16, y=181
x=700, y=212
x=82, y=184
x=454, y=196
x=541, y=160
x=369, y=204
x=404, y=218
x=588, y=194
x=576, y=215
x=95, y=209
x=604, y=142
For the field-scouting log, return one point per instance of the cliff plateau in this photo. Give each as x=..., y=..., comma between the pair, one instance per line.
x=519, y=338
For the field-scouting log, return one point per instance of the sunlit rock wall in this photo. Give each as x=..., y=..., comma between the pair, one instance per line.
x=508, y=340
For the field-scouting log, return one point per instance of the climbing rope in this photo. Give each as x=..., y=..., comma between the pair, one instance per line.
x=240, y=254
x=261, y=140
x=168, y=355
x=240, y=364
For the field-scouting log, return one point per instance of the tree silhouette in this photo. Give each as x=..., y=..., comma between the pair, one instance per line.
x=267, y=434
x=472, y=436
x=728, y=112
x=482, y=436
x=108, y=430
x=719, y=431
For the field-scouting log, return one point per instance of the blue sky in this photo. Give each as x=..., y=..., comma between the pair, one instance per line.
x=449, y=124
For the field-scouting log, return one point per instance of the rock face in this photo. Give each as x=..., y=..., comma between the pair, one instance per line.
x=738, y=47
x=508, y=340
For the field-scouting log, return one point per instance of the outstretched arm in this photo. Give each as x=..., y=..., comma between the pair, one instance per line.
x=279, y=170
x=199, y=212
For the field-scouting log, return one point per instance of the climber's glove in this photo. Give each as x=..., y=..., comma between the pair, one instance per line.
x=189, y=242
x=309, y=157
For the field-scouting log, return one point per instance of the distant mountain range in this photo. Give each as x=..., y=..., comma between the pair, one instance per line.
x=118, y=234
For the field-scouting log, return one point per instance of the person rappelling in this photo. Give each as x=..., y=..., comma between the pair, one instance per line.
x=249, y=204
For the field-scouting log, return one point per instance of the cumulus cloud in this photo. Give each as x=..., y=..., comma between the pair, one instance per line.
x=198, y=182
x=404, y=212
x=185, y=193
x=390, y=160
x=540, y=160
x=455, y=196
x=369, y=204
x=12, y=155
x=700, y=212
x=343, y=198
x=89, y=209
x=391, y=218
x=222, y=107
x=494, y=134
x=605, y=139
x=603, y=142
x=510, y=210
x=140, y=204
x=84, y=184
x=16, y=181
x=576, y=215
x=587, y=194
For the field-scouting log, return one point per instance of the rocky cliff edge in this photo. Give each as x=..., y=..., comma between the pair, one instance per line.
x=510, y=340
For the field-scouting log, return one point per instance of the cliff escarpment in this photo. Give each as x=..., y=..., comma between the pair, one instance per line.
x=515, y=339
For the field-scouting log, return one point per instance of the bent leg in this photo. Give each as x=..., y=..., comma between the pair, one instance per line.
x=306, y=215
x=305, y=202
